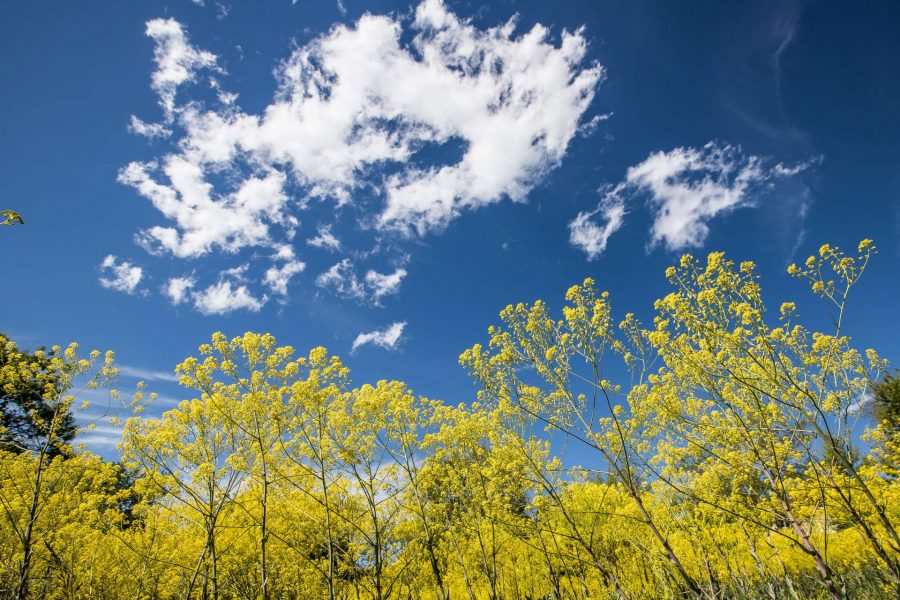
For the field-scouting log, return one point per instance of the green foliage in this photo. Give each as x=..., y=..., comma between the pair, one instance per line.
x=886, y=401
x=27, y=407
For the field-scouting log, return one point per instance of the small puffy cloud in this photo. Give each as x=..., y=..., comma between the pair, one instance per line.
x=238, y=273
x=120, y=276
x=148, y=130
x=278, y=277
x=387, y=338
x=341, y=278
x=231, y=291
x=384, y=284
x=226, y=296
x=284, y=252
x=586, y=235
x=178, y=289
x=325, y=239
x=685, y=189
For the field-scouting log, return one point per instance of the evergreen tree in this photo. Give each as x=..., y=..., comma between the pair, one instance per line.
x=26, y=405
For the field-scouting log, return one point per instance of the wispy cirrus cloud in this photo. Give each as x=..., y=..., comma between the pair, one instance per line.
x=146, y=374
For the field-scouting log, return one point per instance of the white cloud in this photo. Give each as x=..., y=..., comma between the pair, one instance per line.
x=342, y=279
x=690, y=186
x=384, y=284
x=325, y=239
x=177, y=61
x=225, y=297
x=146, y=374
x=277, y=278
x=284, y=252
x=514, y=101
x=178, y=289
x=685, y=189
x=206, y=221
x=349, y=104
x=100, y=436
x=386, y=338
x=865, y=399
x=122, y=276
x=592, y=238
x=589, y=128
x=238, y=273
x=148, y=130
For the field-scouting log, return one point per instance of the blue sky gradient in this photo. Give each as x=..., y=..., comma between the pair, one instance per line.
x=801, y=97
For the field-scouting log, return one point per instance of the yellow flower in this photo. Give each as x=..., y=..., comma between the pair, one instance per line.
x=788, y=308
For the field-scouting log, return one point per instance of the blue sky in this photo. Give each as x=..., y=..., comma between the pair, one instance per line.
x=389, y=175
